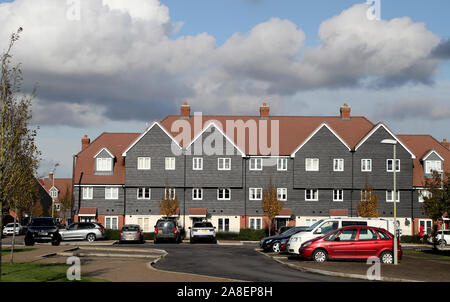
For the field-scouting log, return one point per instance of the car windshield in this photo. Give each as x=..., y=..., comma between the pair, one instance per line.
x=42, y=222
x=130, y=228
x=165, y=224
x=314, y=226
x=290, y=232
x=10, y=225
x=203, y=225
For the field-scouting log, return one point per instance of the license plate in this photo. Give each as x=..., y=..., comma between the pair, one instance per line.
x=43, y=233
x=160, y=231
x=129, y=238
x=204, y=230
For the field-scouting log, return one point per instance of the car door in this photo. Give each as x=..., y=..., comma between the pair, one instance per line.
x=367, y=244
x=343, y=246
x=70, y=232
x=83, y=230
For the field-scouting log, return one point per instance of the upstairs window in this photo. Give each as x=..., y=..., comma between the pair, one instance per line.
x=144, y=163
x=197, y=194
x=338, y=195
x=104, y=164
x=282, y=164
x=424, y=194
x=312, y=164
x=170, y=163
x=223, y=194
x=312, y=195
x=143, y=193
x=224, y=164
x=390, y=165
x=255, y=193
x=282, y=194
x=338, y=165
x=433, y=165
x=366, y=165
x=111, y=193
x=197, y=163
x=256, y=164
x=390, y=196
x=169, y=193
x=88, y=192
x=53, y=193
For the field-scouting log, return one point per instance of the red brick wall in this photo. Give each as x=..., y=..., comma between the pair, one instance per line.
x=265, y=222
x=101, y=219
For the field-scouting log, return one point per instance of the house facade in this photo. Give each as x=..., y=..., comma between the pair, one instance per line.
x=56, y=189
x=219, y=166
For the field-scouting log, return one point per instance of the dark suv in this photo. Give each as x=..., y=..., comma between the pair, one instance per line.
x=42, y=229
x=167, y=229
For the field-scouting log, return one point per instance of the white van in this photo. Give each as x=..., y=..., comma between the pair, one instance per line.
x=326, y=226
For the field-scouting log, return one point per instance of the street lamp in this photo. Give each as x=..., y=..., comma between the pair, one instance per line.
x=394, y=165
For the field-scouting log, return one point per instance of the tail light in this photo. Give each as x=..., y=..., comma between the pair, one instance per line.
x=156, y=230
x=100, y=229
x=139, y=232
x=175, y=230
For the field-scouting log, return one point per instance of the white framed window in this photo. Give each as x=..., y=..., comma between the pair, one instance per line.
x=58, y=206
x=197, y=194
x=104, y=164
x=312, y=195
x=169, y=193
x=424, y=193
x=310, y=221
x=390, y=165
x=255, y=193
x=112, y=222
x=54, y=193
x=338, y=164
x=88, y=192
x=223, y=194
x=390, y=196
x=143, y=193
x=338, y=195
x=224, y=164
x=224, y=224
x=427, y=225
x=170, y=163
x=144, y=163
x=282, y=164
x=144, y=223
x=256, y=164
x=111, y=193
x=197, y=163
x=255, y=223
x=433, y=165
x=312, y=164
x=366, y=165
x=282, y=194
x=366, y=195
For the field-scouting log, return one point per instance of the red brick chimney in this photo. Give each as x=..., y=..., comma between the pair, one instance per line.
x=345, y=112
x=185, y=111
x=85, y=141
x=445, y=143
x=264, y=111
x=50, y=176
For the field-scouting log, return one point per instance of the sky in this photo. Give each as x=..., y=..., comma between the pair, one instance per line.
x=115, y=66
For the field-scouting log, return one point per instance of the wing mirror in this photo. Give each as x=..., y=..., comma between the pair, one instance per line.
x=319, y=231
x=337, y=239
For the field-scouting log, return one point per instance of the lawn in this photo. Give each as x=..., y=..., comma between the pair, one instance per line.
x=8, y=251
x=429, y=254
x=38, y=272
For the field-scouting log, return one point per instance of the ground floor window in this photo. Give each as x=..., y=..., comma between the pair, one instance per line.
x=256, y=223
x=111, y=222
x=310, y=221
x=86, y=219
x=224, y=224
x=427, y=225
x=144, y=223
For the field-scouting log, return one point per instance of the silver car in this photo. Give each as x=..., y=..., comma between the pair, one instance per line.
x=9, y=229
x=131, y=232
x=89, y=231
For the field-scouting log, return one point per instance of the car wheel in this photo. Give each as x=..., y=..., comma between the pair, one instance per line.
x=442, y=243
x=56, y=243
x=29, y=242
x=90, y=237
x=320, y=255
x=155, y=241
x=387, y=258
x=276, y=247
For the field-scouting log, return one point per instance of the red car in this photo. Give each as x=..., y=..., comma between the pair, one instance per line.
x=353, y=242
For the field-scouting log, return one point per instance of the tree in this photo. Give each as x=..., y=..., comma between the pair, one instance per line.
x=66, y=202
x=16, y=138
x=437, y=202
x=369, y=202
x=169, y=203
x=37, y=210
x=271, y=205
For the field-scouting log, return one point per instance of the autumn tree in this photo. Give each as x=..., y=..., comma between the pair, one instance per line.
x=369, y=202
x=16, y=137
x=437, y=202
x=271, y=205
x=66, y=203
x=169, y=202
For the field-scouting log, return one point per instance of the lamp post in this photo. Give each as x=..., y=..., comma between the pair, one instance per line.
x=394, y=197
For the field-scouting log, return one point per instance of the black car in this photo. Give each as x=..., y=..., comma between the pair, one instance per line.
x=274, y=242
x=167, y=230
x=42, y=229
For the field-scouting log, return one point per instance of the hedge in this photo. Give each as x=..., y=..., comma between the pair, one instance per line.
x=252, y=235
x=412, y=239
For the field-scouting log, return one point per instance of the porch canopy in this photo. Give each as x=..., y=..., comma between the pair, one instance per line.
x=197, y=212
x=285, y=213
x=87, y=212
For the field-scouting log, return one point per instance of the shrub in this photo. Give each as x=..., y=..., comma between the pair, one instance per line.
x=227, y=236
x=112, y=234
x=252, y=235
x=412, y=239
x=149, y=236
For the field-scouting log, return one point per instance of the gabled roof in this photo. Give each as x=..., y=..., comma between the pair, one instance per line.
x=105, y=149
x=431, y=152
x=212, y=124
x=421, y=145
x=315, y=132
x=155, y=123
x=375, y=129
x=60, y=184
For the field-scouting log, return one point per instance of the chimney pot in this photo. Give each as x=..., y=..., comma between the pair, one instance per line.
x=264, y=111
x=185, y=110
x=85, y=141
x=50, y=176
x=345, y=112
x=445, y=143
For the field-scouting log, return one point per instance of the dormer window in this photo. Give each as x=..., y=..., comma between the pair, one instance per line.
x=53, y=193
x=433, y=165
x=104, y=161
x=104, y=164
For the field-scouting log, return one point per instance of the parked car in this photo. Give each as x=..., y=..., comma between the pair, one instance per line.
x=203, y=231
x=42, y=229
x=273, y=243
x=9, y=229
x=167, y=230
x=354, y=242
x=326, y=226
x=89, y=231
x=131, y=232
x=438, y=238
x=283, y=229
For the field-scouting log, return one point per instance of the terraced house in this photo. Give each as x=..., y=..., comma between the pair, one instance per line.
x=218, y=167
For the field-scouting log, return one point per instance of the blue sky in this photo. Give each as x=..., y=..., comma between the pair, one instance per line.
x=116, y=75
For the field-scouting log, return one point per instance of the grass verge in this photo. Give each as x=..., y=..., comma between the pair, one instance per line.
x=38, y=272
x=429, y=254
x=6, y=252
